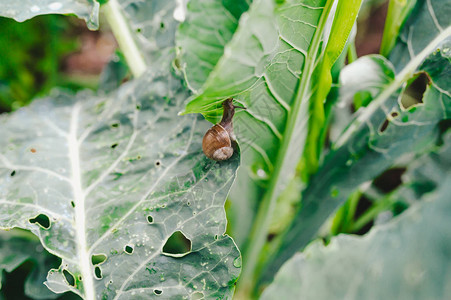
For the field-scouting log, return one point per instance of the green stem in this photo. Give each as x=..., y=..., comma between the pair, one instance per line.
x=370, y=214
x=124, y=37
x=352, y=53
x=260, y=228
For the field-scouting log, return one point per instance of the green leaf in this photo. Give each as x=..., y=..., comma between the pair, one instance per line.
x=105, y=182
x=407, y=258
x=398, y=11
x=344, y=20
x=427, y=20
x=18, y=246
x=381, y=134
x=261, y=68
x=208, y=27
x=27, y=9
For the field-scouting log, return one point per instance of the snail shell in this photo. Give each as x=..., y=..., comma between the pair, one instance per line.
x=217, y=144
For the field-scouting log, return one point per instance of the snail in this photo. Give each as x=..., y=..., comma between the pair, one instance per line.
x=218, y=140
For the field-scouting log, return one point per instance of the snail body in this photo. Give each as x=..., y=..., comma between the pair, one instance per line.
x=217, y=143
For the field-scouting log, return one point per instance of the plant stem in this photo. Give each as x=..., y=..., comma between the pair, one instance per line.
x=124, y=37
x=352, y=53
x=260, y=228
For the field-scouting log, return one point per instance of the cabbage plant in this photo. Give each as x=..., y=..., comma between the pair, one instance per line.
x=109, y=194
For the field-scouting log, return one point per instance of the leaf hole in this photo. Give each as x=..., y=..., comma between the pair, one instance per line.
x=157, y=292
x=98, y=259
x=414, y=91
x=177, y=245
x=41, y=220
x=389, y=180
x=70, y=279
x=98, y=272
x=387, y=121
x=150, y=219
x=128, y=249
x=13, y=173
x=80, y=278
x=114, y=145
x=158, y=163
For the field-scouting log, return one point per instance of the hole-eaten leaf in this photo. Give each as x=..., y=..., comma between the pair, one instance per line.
x=41, y=220
x=150, y=219
x=98, y=259
x=98, y=272
x=70, y=279
x=387, y=121
x=414, y=91
x=197, y=296
x=177, y=245
x=128, y=249
x=157, y=163
x=157, y=292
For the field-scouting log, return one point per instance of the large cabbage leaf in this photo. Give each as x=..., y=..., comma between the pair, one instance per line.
x=109, y=183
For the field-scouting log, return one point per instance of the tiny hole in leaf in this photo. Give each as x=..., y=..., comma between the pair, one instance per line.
x=157, y=292
x=13, y=173
x=150, y=219
x=414, y=91
x=270, y=237
x=41, y=220
x=114, y=145
x=98, y=259
x=69, y=277
x=128, y=249
x=177, y=245
x=80, y=278
x=387, y=121
x=157, y=163
x=98, y=272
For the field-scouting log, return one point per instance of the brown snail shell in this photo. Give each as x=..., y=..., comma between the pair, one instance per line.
x=217, y=144
x=218, y=141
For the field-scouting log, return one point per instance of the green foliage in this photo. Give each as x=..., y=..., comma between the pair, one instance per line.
x=31, y=53
x=407, y=257
x=118, y=188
